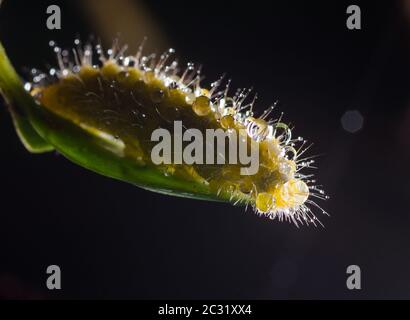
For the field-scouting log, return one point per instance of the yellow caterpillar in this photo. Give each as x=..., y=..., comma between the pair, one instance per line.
x=121, y=99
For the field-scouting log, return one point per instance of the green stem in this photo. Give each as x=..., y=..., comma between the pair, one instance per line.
x=16, y=98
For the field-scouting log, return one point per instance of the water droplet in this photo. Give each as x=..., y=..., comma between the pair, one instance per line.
x=227, y=122
x=265, y=202
x=257, y=129
x=201, y=106
x=173, y=85
x=27, y=86
x=190, y=98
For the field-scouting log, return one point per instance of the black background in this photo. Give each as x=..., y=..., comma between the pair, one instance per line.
x=113, y=240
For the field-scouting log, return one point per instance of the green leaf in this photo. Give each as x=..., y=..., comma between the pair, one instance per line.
x=15, y=95
x=28, y=135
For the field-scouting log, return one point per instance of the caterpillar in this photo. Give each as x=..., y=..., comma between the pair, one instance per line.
x=119, y=99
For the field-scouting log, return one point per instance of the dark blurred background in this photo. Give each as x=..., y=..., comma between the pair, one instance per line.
x=345, y=90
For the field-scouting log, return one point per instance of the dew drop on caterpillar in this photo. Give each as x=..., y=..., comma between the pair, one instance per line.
x=124, y=98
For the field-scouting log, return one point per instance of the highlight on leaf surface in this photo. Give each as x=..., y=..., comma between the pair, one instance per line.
x=100, y=108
